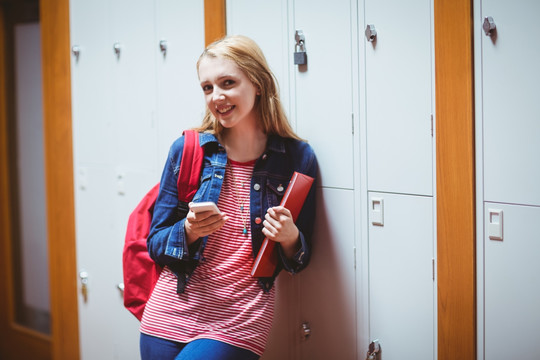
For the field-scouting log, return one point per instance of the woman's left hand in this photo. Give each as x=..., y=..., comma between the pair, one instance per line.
x=279, y=226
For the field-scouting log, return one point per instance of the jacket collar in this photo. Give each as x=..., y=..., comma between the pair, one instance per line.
x=205, y=138
x=275, y=143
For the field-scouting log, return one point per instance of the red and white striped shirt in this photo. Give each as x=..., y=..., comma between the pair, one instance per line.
x=221, y=300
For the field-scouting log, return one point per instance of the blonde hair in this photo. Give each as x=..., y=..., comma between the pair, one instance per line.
x=247, y=55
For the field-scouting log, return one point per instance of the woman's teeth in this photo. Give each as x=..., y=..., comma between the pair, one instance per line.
x=224, y=110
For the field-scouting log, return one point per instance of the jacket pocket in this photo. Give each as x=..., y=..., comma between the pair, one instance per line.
x=275, y=189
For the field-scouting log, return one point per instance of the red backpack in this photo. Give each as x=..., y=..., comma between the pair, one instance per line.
x=140, y=271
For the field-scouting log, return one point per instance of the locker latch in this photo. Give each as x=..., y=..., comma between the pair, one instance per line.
x=373, y=350
x=163, y=45
x=495, y=224
x=306, y=331
x=83, y=275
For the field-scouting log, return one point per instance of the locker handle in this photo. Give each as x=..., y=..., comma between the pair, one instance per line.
x=495, y=224
x=489, y=26
x=377, y=211
x=120, y=288
x=117, y=47
x=371, y=33
x=83, y=275
x=163, y=45
x=76, y=51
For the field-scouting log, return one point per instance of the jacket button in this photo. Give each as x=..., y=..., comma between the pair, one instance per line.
x=258, y=220
x=257, y=187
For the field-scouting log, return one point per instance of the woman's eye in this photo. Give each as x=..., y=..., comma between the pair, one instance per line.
x=207, y=88
x=228, y=82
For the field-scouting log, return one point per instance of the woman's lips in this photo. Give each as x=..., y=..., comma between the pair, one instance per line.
x=224, y=110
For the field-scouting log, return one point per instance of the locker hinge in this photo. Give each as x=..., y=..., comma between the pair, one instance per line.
x=352, y=123
x=433, y=269
x=431, y=125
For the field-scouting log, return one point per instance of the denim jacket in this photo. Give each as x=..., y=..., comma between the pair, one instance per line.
x=167, y=244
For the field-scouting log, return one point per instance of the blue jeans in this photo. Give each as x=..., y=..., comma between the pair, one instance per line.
x=154, y=348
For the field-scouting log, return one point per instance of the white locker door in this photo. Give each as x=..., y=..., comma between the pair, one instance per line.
x=323, y=93
x=398, y=96
x=511, y=110
x=401, y=282
x=323, y=105
x=266, y=23
x=134, y=82
x=323, y=296
x=91, y=69
x=114, y=133
x=512, y=288
x=135, y=158
x=104, y=325
x=180, y=101
x=326, y=296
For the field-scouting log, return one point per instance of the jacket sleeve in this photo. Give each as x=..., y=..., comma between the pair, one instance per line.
x=166, y=241
x=306, y=218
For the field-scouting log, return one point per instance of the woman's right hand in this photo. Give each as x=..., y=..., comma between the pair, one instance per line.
x=202, y=224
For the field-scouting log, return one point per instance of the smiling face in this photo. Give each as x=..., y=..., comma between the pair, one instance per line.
x=228, y=92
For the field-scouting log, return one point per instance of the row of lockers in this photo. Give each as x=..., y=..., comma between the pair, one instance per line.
x=134, y=89
x=142, y=52
x=366, y=108
x=368, y=104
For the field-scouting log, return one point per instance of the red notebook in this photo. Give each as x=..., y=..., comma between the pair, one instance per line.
x=295, y=195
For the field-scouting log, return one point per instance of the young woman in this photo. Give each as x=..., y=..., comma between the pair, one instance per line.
x=205, y=304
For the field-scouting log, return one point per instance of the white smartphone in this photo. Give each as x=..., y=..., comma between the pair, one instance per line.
x=204, y=206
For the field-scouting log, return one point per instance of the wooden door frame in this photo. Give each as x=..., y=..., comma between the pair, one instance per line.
x=455, y=162
x=56, y=65
x=214, y=20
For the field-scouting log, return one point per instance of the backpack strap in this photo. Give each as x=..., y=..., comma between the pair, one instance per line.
x=190, y=166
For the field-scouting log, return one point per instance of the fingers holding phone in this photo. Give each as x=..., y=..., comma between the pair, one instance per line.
x=203, y=219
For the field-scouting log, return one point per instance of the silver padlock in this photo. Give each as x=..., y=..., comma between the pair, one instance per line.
x=300, y=55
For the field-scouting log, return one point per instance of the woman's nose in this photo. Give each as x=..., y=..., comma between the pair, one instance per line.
x=218, y=95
